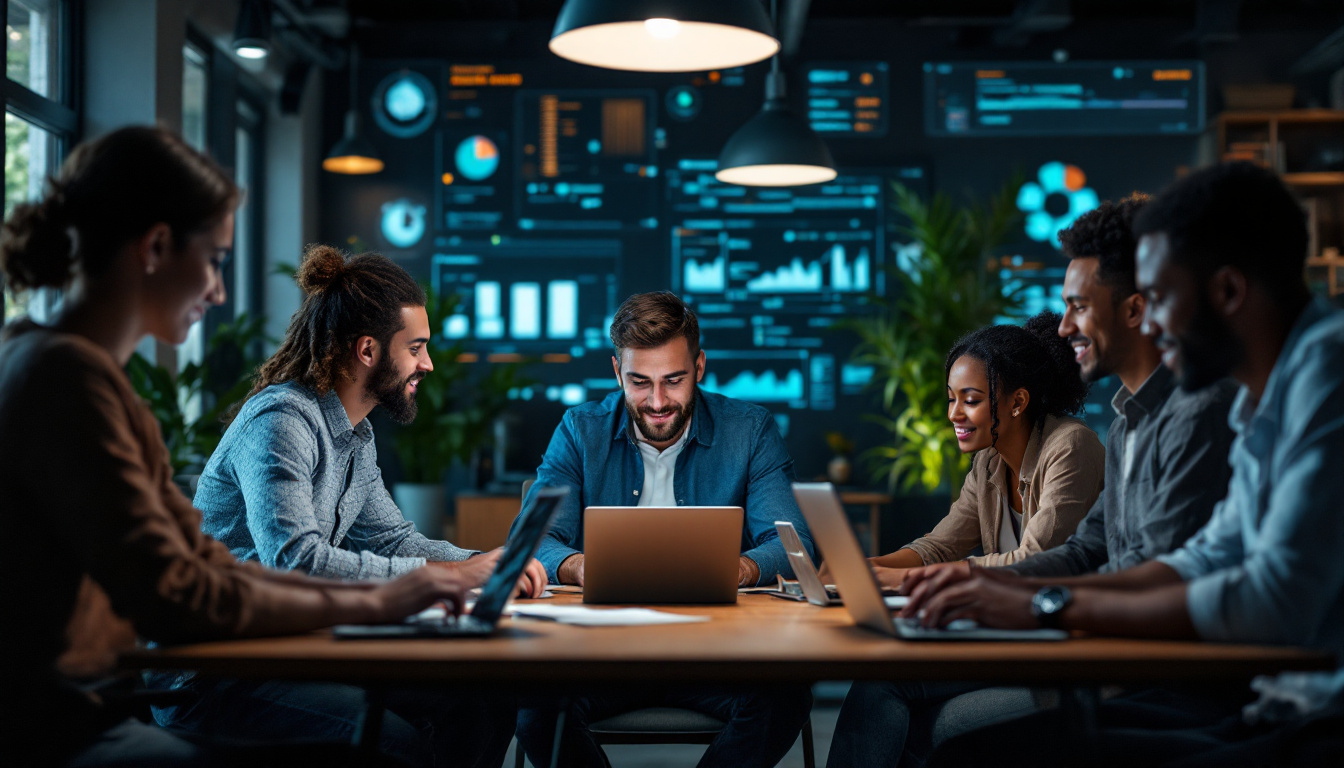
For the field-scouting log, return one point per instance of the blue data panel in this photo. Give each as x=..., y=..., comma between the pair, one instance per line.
x=814, y=249
x=529, y=296
x=847, y=98
x=1086, y=98
x=587, y=160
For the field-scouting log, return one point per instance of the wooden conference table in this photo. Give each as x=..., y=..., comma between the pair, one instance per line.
x=760, y=640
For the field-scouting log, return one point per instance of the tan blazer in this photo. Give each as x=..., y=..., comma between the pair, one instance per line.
x=1062, y=475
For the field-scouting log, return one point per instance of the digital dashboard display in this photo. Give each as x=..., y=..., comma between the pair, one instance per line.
x=1089, y=98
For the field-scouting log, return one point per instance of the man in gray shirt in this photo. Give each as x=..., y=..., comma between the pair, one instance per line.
x=295, y=485
x=1166, y=451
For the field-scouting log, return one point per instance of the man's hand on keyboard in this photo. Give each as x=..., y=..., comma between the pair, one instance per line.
x=475, y=570
x=989, y=597
x=533, y=581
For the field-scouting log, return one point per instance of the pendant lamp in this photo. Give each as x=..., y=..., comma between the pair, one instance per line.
x=252, y=30
x=664, y=35
x=776, y=148
x=353, y=154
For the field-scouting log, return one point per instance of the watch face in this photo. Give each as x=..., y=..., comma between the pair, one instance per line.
x=1052, y=601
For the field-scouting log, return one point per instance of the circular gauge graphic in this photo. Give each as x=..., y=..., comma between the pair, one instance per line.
x=477, y=158
x=1052, y=202
x=405, y=104
x=403, y=223
x=683, y=102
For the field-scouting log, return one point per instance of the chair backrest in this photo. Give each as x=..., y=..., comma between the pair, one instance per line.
x=527, y=486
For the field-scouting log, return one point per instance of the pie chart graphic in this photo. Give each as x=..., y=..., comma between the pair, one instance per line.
x=477, y=158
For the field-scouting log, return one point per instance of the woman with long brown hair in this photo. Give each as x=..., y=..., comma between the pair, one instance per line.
x=104, y=548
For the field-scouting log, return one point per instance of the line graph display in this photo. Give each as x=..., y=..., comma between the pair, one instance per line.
x=758, y=376
x=533, y=296
x=807, y=249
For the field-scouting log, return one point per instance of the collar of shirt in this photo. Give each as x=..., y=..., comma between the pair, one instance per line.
x=338, y=421
x=700, y=429
x=1153, y=392
x=998, y=476
x=1246, y=411
x=672, y=450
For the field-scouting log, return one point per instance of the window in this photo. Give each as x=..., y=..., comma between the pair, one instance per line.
x=33, y=46
x=39, y=121
x=195, y=97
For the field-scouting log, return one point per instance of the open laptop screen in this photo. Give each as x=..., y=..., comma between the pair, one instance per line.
x=518, y=550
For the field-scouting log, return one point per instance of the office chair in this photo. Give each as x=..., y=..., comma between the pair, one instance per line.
x=663, y=725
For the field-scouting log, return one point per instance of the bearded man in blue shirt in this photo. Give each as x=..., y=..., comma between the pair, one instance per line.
x=662, y=441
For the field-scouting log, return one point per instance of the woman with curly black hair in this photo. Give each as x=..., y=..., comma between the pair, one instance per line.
x=1011, y=391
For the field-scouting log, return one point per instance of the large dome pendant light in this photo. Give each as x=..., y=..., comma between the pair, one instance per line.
x=664, y=35
x=353, y=154
x=775, y=148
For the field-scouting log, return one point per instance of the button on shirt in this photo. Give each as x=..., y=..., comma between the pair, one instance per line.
x=1268, y=566
x=659, y=469
x=1166, y=468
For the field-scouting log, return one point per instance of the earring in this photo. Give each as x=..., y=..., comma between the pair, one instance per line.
x=149, y=270
x=1015, y=413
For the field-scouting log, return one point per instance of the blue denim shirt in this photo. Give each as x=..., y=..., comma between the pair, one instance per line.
x=1269, y=566
x=734, y=456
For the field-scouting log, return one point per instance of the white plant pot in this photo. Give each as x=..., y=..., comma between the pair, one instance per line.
x=424, y=504
x=839, y=470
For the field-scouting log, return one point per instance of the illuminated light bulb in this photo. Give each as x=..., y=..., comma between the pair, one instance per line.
x=251, y=52
x=663, y=29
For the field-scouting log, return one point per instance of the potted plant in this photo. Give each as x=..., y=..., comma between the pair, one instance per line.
x=457, y=411
x=838, y=469
x=222, y=379
x=950, y=287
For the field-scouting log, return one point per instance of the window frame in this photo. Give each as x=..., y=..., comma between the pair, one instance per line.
x=58, y=116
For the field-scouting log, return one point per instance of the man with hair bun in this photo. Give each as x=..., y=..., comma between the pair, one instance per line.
x=295, y=485
x=662, y=441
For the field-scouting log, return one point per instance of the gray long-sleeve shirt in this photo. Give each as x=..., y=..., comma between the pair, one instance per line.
x=294, y=485
x=1166, y=468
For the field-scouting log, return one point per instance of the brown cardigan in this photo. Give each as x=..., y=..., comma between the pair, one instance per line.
x=102, y=545
x=1061, y=477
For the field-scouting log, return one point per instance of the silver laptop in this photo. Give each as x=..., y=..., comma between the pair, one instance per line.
x=858, y=587
x=661, y=554
x=808, y=579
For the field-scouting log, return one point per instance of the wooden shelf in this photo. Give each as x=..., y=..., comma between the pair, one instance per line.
x=1283, y=116
x=1319, y=179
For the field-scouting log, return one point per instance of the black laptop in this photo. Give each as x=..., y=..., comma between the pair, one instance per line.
x=483, y=619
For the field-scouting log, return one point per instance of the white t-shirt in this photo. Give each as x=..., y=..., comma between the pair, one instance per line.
x=1008, y=540
x=659, y=469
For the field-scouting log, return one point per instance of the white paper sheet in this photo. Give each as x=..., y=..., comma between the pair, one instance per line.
x=600, y=617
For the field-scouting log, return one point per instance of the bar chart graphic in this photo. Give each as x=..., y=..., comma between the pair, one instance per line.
x=759, y=376
x=530, y=296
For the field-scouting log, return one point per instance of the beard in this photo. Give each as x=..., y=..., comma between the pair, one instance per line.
x=665, y=432
x=1207, y=352
x=388, y=389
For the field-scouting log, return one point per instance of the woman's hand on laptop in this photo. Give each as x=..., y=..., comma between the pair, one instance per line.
x=475, y=569
x=533, y=581
x=395, y=600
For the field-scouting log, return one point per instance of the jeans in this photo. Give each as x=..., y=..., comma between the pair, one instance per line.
x=418, y=727
x=1151, y=727
x=888, y=724
x=761, y=724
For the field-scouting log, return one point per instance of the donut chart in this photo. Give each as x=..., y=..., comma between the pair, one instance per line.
x=477, y=158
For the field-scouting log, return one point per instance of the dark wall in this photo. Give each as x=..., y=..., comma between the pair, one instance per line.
x=1115, y=166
